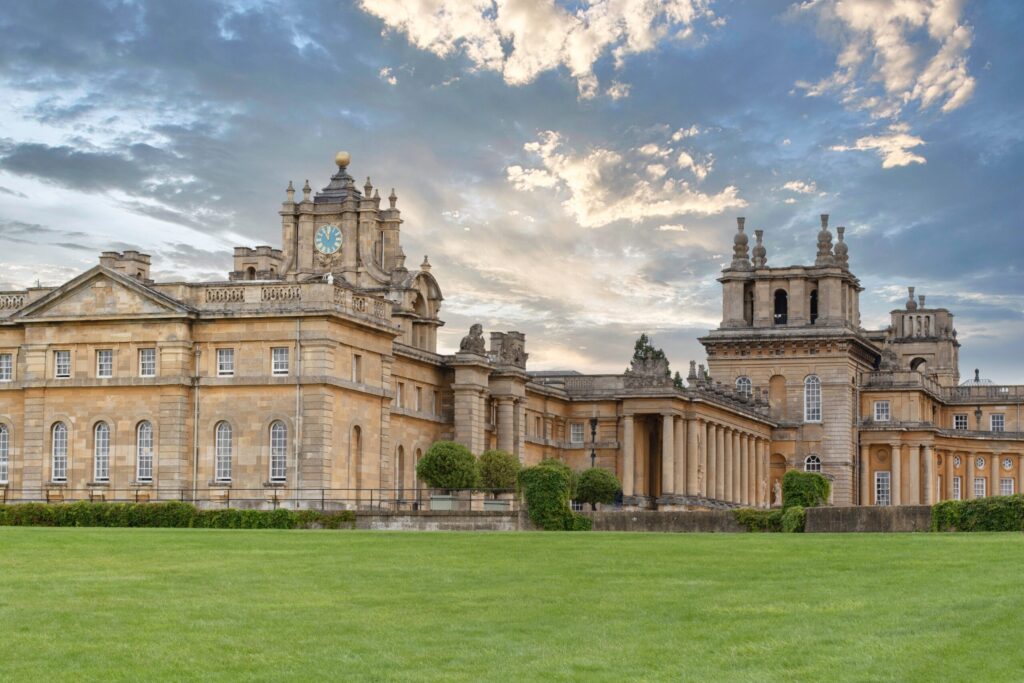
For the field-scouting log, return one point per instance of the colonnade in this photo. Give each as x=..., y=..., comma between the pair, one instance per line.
x=703, y=459
x=928, y=483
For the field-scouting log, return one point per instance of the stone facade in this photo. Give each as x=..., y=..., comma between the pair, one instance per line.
x=310, y=376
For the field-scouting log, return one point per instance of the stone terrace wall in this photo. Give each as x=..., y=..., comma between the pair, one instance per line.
x=871, y=519
x=437, y=520
x=651, y=520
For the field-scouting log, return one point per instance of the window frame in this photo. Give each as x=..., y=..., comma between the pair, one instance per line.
x=101, y=452
x=812, y=399
x=883, y=476
x=5, y=453
x=879, y=406
x=143, y=362
x=104, y=361
x=960, y=419
x=276, y=369
x=59, y=453
x=812, y=463
x=1005, y=490
x=980, y=487
x=6, y=367
x=572, y=433
x=226, y=362
x=744, y=386
x=144, y=452
x=992, y=422
x=278, y=460
x=58, y=354
x=224, y=439
x=958, y=488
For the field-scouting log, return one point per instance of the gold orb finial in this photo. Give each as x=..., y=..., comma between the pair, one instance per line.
x=342, y=159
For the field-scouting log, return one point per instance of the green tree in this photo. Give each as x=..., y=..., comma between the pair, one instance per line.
x=448, y=465
x=597, y=485
x=498, y=470
x=645, y=353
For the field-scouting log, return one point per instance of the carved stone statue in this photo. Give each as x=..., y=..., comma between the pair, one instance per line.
x=764, y=488
x=474, y=341
x=777, y=493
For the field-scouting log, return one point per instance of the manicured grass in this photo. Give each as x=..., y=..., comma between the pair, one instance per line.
x=169, y=604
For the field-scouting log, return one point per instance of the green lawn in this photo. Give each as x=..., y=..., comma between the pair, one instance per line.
x=149, y=604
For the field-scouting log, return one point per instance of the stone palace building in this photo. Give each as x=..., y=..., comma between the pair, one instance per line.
x=311, y=375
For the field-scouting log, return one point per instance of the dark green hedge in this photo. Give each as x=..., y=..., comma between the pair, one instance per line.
x=168, y=514
x=498, y=469
x=547, y=488
x=997, y=513
x=794, y=518
x=448, y=465
x=806, y=489
x=759, y=520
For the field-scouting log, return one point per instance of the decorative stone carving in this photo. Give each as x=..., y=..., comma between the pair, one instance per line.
x=740, y=255
x=911, y=304
x=474, y=341
x=509, y=348
x=8, y=301
x=760, y=253
x=223, y=295
x=825, y=257
x=648, y=371
x=286, y=293
x=842, y=251
x=777, y=493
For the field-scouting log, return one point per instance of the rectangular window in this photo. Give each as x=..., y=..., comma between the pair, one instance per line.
x=279, y=360
x=225, y=362
x=147, y=362
x=437, y=403
x=105, y=363
x=979, y=487
x=357, y=368
x=960, y=421
x=101, y=453
x=62, y=364
x=997, y=422
x=399, y=391
x=1006, y=486
x=882, y=491
x=144, y=469
x=576, y=433
x=881, y=411
x=419, y=399
x=957, y=491
x=6, y=367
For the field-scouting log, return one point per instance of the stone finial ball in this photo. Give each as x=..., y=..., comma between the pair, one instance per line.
x=342, y=159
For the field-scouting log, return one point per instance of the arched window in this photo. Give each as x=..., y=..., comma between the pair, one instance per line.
x=812, y=399
x=744, y=386
x=144, y=452
x=748, y=305
x=101, y=452
x=250, y=273
x=814, y=305
x=59, y=452
x=812, y=463
x=278, y=452
x=781, y=307
x=222, y=461
x=4, y=461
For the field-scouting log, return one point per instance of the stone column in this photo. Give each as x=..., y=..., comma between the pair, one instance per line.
x=929, y=476
x=993, y=484
x=968, y=493
x=865, y=474
x=752, y=464
x=896, y=482
x=679, y=487
x=693, y=457
x=711, y=473
x=950, y=475
x=668, y=455
x=723, y=488
x=760, y=487
x=627, y=455
x=745, y=469
x=506, y=426
x=1020, y=475
x=737, y=458
x=914, y=478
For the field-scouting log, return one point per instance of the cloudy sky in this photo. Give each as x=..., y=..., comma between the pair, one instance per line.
x=573, y=169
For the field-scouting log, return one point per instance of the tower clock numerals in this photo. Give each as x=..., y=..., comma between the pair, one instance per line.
x=327, y=239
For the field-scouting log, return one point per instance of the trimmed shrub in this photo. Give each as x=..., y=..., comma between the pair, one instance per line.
x=806, y=489
x=793, y=519
x=996, y=513
x=498, y=470
x=759, y=520
x=448, y=465
x=597, y=485
x=546, y=488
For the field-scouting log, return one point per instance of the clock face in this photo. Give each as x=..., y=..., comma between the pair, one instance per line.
x=328, y=239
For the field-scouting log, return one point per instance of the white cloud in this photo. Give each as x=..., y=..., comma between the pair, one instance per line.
x=893, y=53
x=672, y=227
x=787, y=141
x=685, y=133
x=790, y=200
x=657, y=171
x=603, y=186
x=618, y=90
x=523, y=38
x=388, y=76
x=894, y=146
x=800, y=187
x=700, y=169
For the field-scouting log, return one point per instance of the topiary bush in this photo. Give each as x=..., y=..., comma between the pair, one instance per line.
x=448, y=465
x=759, y=520
x=498, y=470
x=546, y=488
x=997, y=513
x=793, y=519
x=806, y=489
x=597, y=485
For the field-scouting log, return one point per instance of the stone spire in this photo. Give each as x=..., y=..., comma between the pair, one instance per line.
x=842, y=251
x=342, y=185
x=425, y=266
x=911, y=304
x=368, y=187
x=290, y=192
x=740, y=253
x=306, y=189
x=692, y=377
x=825, y=257
x=393, y=198
x=760, y=253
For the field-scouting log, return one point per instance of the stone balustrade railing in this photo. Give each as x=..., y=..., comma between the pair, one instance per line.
x=310, y=294
x=10, y=301
x=909, y=379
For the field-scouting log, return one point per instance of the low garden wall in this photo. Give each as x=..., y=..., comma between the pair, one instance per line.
x=653, y=520
x=441, y=520
x=869, y=519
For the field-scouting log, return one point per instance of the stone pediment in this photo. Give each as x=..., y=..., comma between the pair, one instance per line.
x=102, y=293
